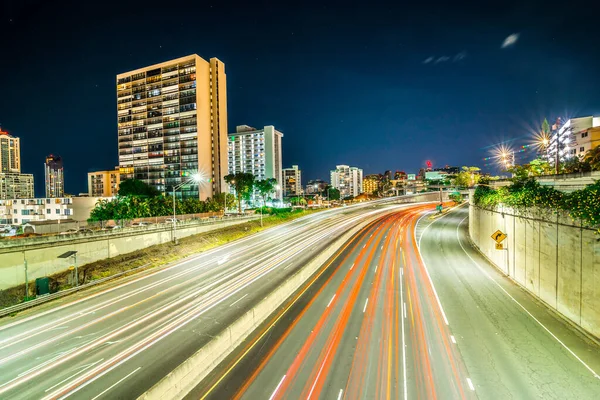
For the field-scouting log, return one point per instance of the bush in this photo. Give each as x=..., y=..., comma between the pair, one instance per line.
x=524, y=194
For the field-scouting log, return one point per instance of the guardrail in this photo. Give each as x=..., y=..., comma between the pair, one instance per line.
x=46, y=298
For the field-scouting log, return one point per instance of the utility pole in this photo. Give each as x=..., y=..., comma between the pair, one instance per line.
x=26, y=279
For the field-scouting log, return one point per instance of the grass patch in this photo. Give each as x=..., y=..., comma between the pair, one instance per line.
x=153, y=256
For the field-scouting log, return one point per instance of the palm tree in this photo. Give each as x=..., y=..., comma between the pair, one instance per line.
x=593, y=158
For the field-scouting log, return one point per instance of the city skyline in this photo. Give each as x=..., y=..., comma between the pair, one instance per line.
x=445, y=86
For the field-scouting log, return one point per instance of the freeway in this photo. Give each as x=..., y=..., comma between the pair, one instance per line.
x=410, y=310
x=118, y=341
x=373, y=329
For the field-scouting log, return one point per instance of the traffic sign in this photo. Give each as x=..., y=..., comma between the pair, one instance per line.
x=499, y=246
x=71, y=268
x=499, y=236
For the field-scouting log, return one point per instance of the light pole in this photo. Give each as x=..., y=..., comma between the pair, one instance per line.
x=195, y=178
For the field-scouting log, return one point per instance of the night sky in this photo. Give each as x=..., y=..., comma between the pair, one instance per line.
x=378, y=86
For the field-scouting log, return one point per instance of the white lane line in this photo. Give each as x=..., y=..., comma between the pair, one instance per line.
x=470, y=384
x=437, y=298
x=340, y=395
x=381, y=247
x=453, y=339
x=352, y=266
x=401, y=271
x=364, y=245
x=328, y=304
x=277, y=388
x=241, y=298
x=405, y=313
x=366, y=302
x=76, y=373
x=521, y=306
x=117, y=382
x=376, y=268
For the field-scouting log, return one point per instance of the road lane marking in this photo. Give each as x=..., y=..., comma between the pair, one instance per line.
x=277, y=388
x=352, y=266
x=375, y=268
x=366, y=302
x=470, y=384
x=241, y=298
x=520, y=305
x=401, y=271
x=117, y=382
x=76, y=373
x=340, y=395
x=328, y=304
x=364, y=245
x=381, y=248
x=453, y=339
x=405, y=313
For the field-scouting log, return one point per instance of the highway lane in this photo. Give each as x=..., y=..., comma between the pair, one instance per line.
x=513, y=345
x=373, y=328
x=118, y=342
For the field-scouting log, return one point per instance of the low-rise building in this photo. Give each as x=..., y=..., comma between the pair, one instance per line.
x=372, y=183
x=292, y=181
x=104, y=183
x=16, y=186
x=19, y=211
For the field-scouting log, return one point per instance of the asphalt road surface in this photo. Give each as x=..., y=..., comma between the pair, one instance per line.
x=117, y=341
x=385, y=323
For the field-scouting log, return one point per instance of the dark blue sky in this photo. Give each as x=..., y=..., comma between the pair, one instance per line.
x=346, y=82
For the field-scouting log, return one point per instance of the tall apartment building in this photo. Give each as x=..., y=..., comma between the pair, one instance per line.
x=54, y=176
x=348, y=180
x=258, y=152
x=172, y=122
x=573, y=138
x=104, y=183
x=292, y=181
x=10, y=153
x=16, y=186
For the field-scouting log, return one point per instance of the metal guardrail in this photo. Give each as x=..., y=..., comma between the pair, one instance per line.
x=44, y=299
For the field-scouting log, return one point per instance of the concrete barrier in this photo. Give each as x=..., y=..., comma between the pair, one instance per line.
x=188, y=374
x=42, y=256
x=551, y=256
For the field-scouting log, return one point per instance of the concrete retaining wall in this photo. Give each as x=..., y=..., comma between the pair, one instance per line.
x=42, y=257
x=188, y=374
x=552, y=257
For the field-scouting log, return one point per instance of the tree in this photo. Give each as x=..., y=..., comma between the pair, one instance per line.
x=592, y=157
x=539, y=167
x=468, y=177
x=576, y=164
x=331, y=193
x=226, y=199
x=265, y=187
x=134, y=187
x=243, y=184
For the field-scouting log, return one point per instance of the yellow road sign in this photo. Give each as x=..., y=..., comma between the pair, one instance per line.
x=499, y=246
x=71, y=268
x=499, y=236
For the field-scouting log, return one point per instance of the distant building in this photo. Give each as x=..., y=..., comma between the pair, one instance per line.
x=10, y=153
x=348, y=180
x=257, y=152
x=172, y=121
x=387, y=175
x=16, y=186
x=448, y=170
x=292, y=181
x=372, y=183
x=436, y=175
x=55, y=178
x=104, y=183
x=316, y=186
x=400, y=175
x=19, y=211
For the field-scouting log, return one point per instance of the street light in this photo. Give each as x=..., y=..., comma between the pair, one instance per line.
x=197, y=177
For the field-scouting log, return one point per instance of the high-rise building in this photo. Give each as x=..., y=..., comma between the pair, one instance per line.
x=172, y=123
x=258, y=152
x=55, y=178
x=10, y=153
x=104, y=183
x=292, y=181
x=348, y=180
x=16, y=186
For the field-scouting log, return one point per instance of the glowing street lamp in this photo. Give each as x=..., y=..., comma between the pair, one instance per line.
x=197, y=178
